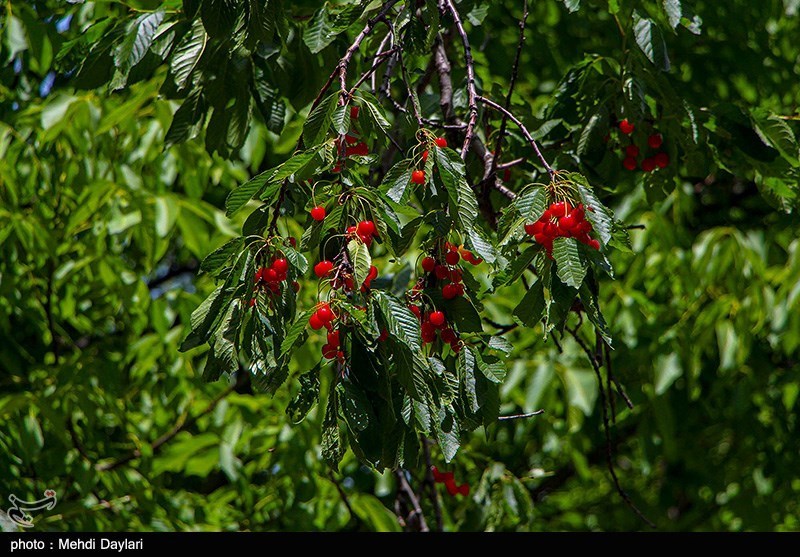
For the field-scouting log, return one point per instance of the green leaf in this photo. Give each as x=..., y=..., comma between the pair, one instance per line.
x=187, y=54
x=220, y=256
x=355, y=406
x=571, y=266
x=219, y=16
x=373, y=513
x=581, y=389
x=492, y=368
x=648, y=37
x=531, y=308
x=479, y=243
x=461, y=311
x=329, y=22
x=500, y=343
x=592, y=309
x=510, y=273
x=204, y=319
x=463, y=204
x=341, y=120
x=295, y=259
x=187, y=119
x=667, y=370
x=136, y=44
x=674, y=11
x=465, y=367
x=307, y=396
x=316, y=128
x=332, y=449
x=776, y=133
x=239, y=197
x=373, y=112
x=572, y=5
x=395, y=182
x=295, y=334
x=361, y=261
x=401, y=324
x=601, y=219
x=528, y=207
x=447, y=433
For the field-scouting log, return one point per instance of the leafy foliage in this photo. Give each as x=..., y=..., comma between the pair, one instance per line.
x=159, y=157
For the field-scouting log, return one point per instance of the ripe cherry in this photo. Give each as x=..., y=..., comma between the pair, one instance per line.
x=318, y=213
x=333, y=338
x=632, y=151
x=295, y=286
x=428, y=333
x=648, y=164
x=428, y=264
x=560, y=209
x=437, y=318
x=323, y=268
x=415, y=310
x=626, y=127
x=451, y=486
x=441, y=142
x=325, y=314
x=629, y=163
x=449, y=291
x=463, y=489
x=315, y=322
x=280, y=265
x=424, y=156
x=655, y=141
x=366, y=228
x=383, y=336
x=452, y=258
x=329, y=351
x=661, y=160
x=594, y=244
x=354, y=112
x=270, y=275
x=449, y=335
x=418, y=176
x=441, y=272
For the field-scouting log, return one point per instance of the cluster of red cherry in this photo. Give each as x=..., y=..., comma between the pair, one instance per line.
x=449, y=272
x=561, y=220
x=632, y=152
x=448, y=479
x=354, y=145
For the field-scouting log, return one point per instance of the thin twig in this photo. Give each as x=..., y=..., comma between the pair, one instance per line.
x=379, y=59
x=504, y=120
x=416, y=515
x=430, y=483
x=344, y=497
x=168, y=436
x=520, y=416
x=610, y=373
x=511, y=164
x=606, y=428
x=528, y=137
x=471, y=92
x=48, y=310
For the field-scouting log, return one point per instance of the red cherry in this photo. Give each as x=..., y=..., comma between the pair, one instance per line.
x=354, y=112
x=441, y=142
x=340, y=356
x=648, y=165
x=507, y=175
x=366, y=239
x=418, y=176
x=252, y=302
x=295, y=286
x=333, y=338
x=329, y=351
x=661, y=160
x=270, y=275
x=632, y=151
x=280, y=265
x=530, y=229
x=437, y=476
x=318, y=213
x=452, y=489
x=455, y=347
x=437, y=319
x=560, y=209
x=441, y=272
x=259, y=276
x=541, y=238
x=323, y=268
x=325, y=314
x=292, y=241
x=594, y=244
x=452, y=258
x=281, y=277
x=655, y=141
x=359, y=149
x=626, y=127
x=629, y=163
x=415, y=310
x=428, y=333
x=351, y=139
x=315, y=321
x=373, y=272
x=366, y=228
x=428, y=264
x=449, y=291
x=456, y=275
x=383, y=336
x=449, y=335
x=463, y=489
x=424, y=156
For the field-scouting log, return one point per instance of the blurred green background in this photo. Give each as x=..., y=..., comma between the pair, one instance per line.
x=102, y=229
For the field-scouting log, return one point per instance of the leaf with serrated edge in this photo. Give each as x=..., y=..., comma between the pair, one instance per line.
x=571, y=267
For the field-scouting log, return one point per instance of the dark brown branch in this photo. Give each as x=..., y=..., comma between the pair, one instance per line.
x=471, y=92
x=430, y=483
x=520, y=416
x=528, y=137
x=504, y=120
x=415, y=518
x=380, y=58
x=606, y=428
x=168, y=436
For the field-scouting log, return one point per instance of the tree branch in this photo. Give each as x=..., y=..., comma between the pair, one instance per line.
x=430, y=484
x=519, y=416
x=524, y=130
x=415, y=517
x=471, y=92
x=168, y=436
